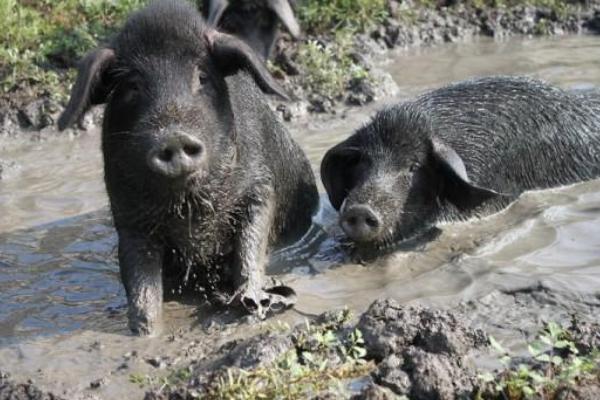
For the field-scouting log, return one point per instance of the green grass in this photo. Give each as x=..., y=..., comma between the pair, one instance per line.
x=320, y=16
x=39, y=37
x=329, y=68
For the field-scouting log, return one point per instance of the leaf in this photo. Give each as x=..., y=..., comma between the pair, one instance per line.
x=561, y=344
x=554, y=329
x=534, y=350
x=557, y=360
x=323, y=366
x=547, y=340
x=543, y=358
x=487, y=377
x=360, y=352
x=505, y=360
x=358, y=337
x=308, y=357
x=497, y=346
x=537, y=378
x=527, y=391
x=523, y=370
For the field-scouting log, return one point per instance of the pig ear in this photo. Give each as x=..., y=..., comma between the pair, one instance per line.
x=341, y=170
x=284, y=11
x=215, y=10
x=231, y=54
x=457, y=188
x=89, y=88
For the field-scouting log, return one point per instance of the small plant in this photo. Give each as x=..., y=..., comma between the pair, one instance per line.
x=321, y=16
x=175, y=377
x=329, y=68
x=322, y=359
x=298, y=373
x=555, y=365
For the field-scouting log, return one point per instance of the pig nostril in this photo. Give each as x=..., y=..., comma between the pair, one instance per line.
x=192, y=149
x=166, y=155
x=372, y=222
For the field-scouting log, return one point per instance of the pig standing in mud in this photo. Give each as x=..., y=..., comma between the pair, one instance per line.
x=254, y=21
x=202, y=178
x=465, y=150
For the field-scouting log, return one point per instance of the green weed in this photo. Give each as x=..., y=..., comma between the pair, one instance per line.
x=302, y=372
x=323, y=16
x=556, y=366
x=38, y=38
x=329, y=67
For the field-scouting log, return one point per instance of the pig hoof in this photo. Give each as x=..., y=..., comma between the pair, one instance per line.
x=141, y=325
x=144, y=328
x=273, y=299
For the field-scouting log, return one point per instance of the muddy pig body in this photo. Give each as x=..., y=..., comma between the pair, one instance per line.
x=254, y=21
x=465, y=150
x=202, y=178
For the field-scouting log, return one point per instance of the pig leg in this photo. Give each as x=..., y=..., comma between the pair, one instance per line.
x=252, y=246
x=141, y=272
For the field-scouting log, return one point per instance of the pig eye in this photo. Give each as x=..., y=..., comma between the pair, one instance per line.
x=203, y=79
x=414, y=167
x=128, y=90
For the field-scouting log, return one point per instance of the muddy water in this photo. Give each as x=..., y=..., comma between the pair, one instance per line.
x=62, y=319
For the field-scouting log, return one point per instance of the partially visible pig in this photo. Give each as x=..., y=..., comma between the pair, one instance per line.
x=202, y=178
x=254, y=21
x=465, y=150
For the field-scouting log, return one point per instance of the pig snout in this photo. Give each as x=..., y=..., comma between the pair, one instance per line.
x=176, y=155
x=361, y=223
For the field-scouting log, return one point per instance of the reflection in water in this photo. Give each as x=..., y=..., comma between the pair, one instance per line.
x=58, y=271
x=58, y=277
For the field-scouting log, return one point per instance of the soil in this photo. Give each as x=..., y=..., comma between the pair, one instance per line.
x=10, y=390
x=417, y=351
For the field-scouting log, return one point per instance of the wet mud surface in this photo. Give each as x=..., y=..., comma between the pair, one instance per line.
x=63, y=325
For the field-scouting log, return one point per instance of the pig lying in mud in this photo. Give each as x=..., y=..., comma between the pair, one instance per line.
x=462, y=151
x=254, y=21
x=202, y=178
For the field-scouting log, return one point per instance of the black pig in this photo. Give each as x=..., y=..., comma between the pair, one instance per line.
x=202, y=178
x=254, y=21
x=465, y=150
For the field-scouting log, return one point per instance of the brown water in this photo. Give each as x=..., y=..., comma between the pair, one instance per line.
x=61, y=303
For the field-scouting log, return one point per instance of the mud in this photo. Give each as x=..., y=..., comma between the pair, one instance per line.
x=10, y=390
x=522, y=311
x=421, y=353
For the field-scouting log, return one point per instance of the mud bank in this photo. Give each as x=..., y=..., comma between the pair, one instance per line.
x=10, y=390
x=410, y=351
x=24, y=112
x=411, y=25
x=390, y=350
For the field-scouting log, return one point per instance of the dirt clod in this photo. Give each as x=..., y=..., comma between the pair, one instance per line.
x=389, y=328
